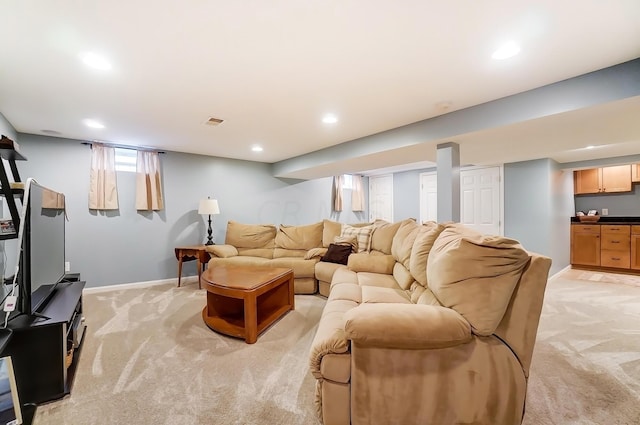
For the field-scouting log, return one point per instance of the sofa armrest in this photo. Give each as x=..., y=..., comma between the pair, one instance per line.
x=222, y=251
x=413, y=326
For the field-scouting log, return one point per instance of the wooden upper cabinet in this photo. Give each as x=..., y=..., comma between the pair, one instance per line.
x=603, y=180
x=616, y=179
x=635, y=173
x=586, y=181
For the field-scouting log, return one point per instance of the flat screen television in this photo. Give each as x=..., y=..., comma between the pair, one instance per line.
x=42, y=261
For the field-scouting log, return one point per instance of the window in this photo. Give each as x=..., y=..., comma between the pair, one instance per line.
x=126, y=159
x=348, y=182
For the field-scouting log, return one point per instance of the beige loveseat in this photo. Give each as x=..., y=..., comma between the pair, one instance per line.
x=438, y=329
x=268, y=245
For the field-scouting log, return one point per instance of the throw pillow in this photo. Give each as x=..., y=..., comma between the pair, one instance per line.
x=362, y=235
x=338, y=254
x=347, y=240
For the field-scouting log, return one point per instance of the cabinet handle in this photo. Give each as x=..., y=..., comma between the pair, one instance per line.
x=615, y=258
x=615, y=241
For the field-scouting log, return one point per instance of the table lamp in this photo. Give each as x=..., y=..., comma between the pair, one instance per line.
x=209, y=207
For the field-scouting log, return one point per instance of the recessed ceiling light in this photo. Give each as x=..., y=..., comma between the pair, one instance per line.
x=96, y=61
x=257, y=148
x=329, y=119
x=506, y=51
x=93, y=123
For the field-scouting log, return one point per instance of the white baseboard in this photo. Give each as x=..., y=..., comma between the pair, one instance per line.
x=139, y=285
x=557, y=274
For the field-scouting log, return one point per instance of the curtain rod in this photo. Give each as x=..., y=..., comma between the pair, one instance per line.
x=133, y=148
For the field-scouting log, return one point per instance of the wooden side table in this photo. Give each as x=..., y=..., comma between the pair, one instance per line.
x=189, y=253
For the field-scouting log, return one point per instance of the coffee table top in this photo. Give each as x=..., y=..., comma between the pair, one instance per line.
x=243, y=277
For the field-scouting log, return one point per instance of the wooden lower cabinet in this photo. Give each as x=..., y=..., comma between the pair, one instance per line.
x=585, y=244
x=609, y=246
x=635, y=247
x=616, y=246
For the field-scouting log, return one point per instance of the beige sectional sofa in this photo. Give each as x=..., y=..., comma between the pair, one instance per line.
x=438, y=331
x=299, y=248
x=429, y=323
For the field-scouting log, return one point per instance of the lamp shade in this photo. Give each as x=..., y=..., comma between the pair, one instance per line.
x=208, y=207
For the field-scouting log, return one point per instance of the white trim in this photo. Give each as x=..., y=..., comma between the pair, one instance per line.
x=557, y=274
x=140, y=285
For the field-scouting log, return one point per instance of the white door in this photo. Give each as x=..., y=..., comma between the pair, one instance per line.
x=428, y=197
x=381, y=198
x=480, y=199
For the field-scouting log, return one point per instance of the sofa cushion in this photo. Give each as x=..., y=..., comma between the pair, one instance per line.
x=376, y=294
x=377, y=279
x=256, y=252
x=351, y=241
x=402, y=276
x=337, y=254
x=344, y=275
x=369, y=262
x=362, y=234
x=299, y=237
x=382, y=235
x=475, y=274
x=300, y=266
x=250, y=235
x=330, y=229
x=325, y=271
x=403, y=241
x=420, y=251
x=346, y=291
x=285, y=253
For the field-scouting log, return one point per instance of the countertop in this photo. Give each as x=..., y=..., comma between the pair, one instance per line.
x=609, y=220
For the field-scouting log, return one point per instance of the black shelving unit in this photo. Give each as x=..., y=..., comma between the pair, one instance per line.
x=9, y=152
x=45, y=351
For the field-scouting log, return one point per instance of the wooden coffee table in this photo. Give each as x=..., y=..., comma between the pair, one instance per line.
x=243, y=301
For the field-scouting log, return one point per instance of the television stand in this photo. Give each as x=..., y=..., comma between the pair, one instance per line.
x=41, y=349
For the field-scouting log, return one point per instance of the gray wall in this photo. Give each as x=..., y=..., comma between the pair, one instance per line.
x=538, y=206
x=406, y=195
x=7, y=129
x=619, y=204
x=127, y=246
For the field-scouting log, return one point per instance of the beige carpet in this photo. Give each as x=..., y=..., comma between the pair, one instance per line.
x=149, y=359
x=586, y=364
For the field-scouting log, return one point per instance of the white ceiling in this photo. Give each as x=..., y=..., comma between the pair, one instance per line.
x=271, y=69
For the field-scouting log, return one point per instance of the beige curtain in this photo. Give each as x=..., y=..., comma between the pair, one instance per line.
x=357, y=193
x=148, y=182
x=103, y=190
x=338, y=182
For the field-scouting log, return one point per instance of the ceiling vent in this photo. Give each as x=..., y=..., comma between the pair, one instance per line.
x=214, y=121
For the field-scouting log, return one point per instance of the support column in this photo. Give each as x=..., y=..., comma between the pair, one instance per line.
x=448, y=162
